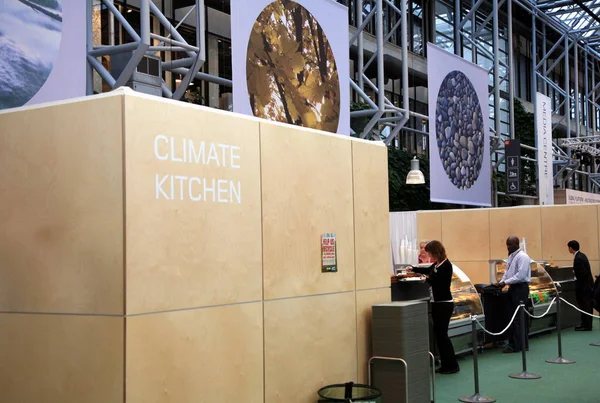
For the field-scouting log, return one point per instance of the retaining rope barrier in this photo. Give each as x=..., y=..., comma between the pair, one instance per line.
x=545, y=313
x=476, y=397
x=570, y=304
x=504, y=330
x=531, y=315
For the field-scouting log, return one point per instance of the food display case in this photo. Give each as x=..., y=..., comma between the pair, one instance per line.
x=467, y=302
x=541, y=292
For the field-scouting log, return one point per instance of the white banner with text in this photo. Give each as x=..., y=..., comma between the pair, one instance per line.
x=543, y=116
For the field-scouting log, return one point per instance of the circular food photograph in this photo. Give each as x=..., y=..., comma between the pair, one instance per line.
x=30, y=33
x=459, y=130
x=291, y=73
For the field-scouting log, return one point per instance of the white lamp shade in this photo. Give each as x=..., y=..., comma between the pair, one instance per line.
x=415, y=176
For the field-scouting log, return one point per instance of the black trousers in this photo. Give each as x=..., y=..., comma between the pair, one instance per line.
x=441, y=312
x=518, y=293
x=583, y=294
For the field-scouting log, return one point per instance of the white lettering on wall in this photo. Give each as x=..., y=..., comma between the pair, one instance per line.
x=156, y=147
x=212, y=155
x=237, y=192
x=197, y=188
x=159, y=187
x=192, y=192
x=578, y=197
x=234, y=157
x=186, y=151
x=178, y=187
x=197, y=156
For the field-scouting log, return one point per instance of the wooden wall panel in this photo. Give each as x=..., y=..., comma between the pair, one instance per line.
x=429, y=225
x=478, y=272
x=61, y=359
x=61, y=208
x=200, y=355
x=560, y=224
x=364, y=301
x=371, y=216
x=310, y=342
x=193, y=206
x=521, y=222
x=306, y=191
x=466, y=234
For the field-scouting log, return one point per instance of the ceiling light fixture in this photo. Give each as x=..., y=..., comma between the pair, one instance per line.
x=415, y=176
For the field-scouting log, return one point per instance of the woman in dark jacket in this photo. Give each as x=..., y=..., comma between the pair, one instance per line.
x=439, y=276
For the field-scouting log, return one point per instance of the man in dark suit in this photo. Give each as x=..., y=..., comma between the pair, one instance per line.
x=583, y=285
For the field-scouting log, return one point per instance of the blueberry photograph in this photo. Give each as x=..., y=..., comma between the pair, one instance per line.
x=459, y=130
x=30, y=35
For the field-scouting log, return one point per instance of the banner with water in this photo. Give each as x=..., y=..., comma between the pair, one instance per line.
x=43, y=51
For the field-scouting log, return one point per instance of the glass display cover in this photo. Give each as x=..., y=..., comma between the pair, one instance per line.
x=541, y=287
x=466, y=298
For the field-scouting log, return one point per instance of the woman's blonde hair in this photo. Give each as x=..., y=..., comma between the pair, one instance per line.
x=436, y=250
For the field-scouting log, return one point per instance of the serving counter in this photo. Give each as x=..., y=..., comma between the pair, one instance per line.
x=564, y=278
x=542, y=289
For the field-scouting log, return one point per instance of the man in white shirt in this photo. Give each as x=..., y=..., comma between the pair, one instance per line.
x=517, y=277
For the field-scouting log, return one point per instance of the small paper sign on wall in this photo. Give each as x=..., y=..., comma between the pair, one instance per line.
x=328, y=253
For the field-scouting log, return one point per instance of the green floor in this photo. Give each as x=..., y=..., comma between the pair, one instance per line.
x=577, y=383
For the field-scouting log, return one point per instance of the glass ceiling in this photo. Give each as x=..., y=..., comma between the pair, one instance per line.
x=582, y=17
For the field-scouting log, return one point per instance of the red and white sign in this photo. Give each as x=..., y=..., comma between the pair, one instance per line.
x=328, y=253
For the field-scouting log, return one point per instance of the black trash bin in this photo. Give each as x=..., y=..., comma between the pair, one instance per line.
x=349, y=392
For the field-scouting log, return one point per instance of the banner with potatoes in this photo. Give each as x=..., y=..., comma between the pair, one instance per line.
x=459, y=142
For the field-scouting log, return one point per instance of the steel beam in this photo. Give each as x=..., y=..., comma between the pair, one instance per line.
x=111, y=7
x=457, y=26
x=586, y=105
x=496, y=36
x=405, y=98
x=548, y=53
x=89, y=70
x=567, y=89
x=511, y=85
x=142, y=45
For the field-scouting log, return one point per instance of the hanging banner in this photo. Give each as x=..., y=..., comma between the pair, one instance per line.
x=459, y=151
x=290, y=62
x=543, y=116
x=328, y=253
x=43, y=51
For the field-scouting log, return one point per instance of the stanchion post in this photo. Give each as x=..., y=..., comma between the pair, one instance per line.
x=596, y=344
x=475, y=397
x=524, y=374
x=560, y=359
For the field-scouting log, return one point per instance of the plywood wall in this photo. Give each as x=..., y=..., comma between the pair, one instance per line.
x=190, y=242
x=243, y=275
x=474, y=236
x=61, y=243
x=155, y=251
x=61, y=209
x=306, y=191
